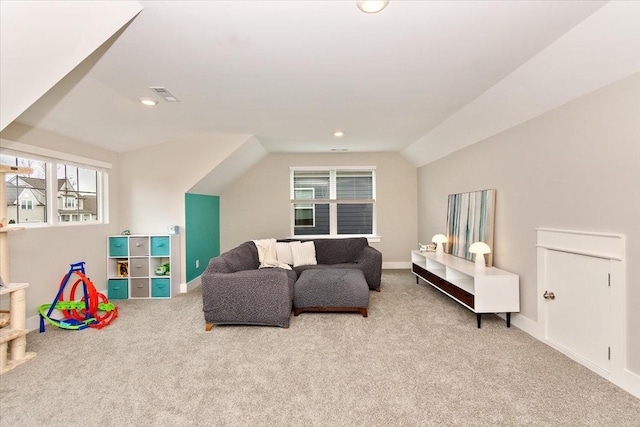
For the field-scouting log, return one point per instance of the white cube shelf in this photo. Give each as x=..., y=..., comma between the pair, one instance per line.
x=135, y=262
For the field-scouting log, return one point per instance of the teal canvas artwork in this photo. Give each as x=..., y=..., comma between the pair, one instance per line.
x=470, y=219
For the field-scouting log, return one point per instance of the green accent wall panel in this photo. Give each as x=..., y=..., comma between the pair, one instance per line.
x=202, y=232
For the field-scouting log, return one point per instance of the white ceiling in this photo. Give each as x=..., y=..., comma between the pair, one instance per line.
x=291, y=73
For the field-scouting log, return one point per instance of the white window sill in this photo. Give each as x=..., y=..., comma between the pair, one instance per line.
x=371, y=239
x=38, y=225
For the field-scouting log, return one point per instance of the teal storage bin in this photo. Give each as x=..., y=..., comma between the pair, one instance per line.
x=118, y=289
x=160, y=246
x=118, y=246
x=160, y=288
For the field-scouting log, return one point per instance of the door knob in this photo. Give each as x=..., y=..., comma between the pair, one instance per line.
x=549, y=295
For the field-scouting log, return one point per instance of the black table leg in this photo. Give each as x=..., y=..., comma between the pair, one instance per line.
x=479, y=317
x=508, y=320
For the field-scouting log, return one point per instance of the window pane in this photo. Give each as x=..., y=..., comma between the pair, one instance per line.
x=26, y=193
x=77, y=194
x=321, y=221
x=351, y=185
x=318, y=181
x=355, y=218
x=304, y=216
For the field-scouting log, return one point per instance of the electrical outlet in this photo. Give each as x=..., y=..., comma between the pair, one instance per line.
x=197, y=263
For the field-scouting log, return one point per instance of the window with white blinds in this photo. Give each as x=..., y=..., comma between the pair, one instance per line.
x=331, y=201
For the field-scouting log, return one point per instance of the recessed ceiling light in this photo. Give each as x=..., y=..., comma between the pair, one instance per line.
x=148, y=102
x=338, y=133
x=372, y=6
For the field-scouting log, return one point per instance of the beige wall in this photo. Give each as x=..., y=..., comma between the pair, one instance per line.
x=41, y=256
x=257, y=205
x=576, y=167
x=155, y=179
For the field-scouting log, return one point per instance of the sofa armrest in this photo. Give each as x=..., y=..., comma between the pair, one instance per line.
x=258, y=285
x=262, y=296
x=371, y=261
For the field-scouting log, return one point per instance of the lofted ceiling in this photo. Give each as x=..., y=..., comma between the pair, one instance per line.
x=292, y=73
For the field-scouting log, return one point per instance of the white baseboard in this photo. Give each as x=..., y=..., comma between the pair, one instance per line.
x=629, y=382
x=523, y=323
x=188, y=287
x=33, y=323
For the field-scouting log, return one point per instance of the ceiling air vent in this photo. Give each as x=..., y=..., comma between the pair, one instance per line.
x=164, y=94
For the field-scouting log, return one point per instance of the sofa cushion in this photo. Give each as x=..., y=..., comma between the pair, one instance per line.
x=283, y=252
x=339, y=251
x=303, y=253
x=345, y=266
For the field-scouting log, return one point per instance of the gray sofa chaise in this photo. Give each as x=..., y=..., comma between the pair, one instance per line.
x=236, y=291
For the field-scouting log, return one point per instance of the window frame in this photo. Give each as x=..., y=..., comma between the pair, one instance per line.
x=333, y=201
x=52, y=159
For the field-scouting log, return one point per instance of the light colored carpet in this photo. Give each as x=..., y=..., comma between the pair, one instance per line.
x=417, y=360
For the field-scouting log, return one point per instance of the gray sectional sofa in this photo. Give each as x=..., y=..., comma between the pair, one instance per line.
x=236, y=291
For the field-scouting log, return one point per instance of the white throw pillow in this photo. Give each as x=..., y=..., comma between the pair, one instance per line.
x=304, y=253
x=283, y=250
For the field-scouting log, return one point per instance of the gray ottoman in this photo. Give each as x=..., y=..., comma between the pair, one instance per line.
x=331, y=290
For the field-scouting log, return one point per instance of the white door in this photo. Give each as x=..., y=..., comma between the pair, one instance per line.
x=576, y=307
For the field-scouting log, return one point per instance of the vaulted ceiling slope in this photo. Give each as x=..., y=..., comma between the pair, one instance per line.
x=424, y=78
x=40, y=44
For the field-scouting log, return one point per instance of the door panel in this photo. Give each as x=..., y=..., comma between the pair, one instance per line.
x=577, y=319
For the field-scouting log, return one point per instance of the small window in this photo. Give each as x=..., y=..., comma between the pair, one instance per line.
x=26, y=204
x=69, y=202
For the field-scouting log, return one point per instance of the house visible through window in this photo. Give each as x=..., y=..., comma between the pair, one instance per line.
x=26, y=194
x=77, y=193
x=333, y=201
x=55, y=192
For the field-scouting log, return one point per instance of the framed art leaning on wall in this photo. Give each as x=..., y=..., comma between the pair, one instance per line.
x=470, y=219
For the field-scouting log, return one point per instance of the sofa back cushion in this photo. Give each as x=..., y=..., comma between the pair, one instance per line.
x=303, y=253
x=339, y=251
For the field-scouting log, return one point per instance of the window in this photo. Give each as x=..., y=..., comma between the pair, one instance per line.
x=328, y=201
x=58, y=191
x=22, y=190
x=69, y=202
x=304, y=212
x=77, y=190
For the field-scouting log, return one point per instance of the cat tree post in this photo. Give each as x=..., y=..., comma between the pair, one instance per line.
x=13, y=337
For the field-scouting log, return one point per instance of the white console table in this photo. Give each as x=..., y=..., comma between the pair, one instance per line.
x=490, y=290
